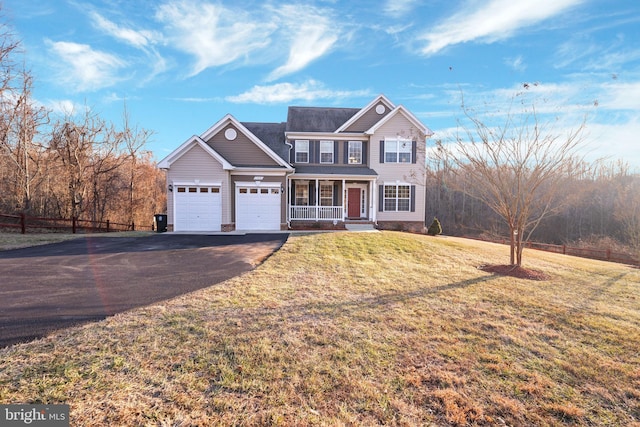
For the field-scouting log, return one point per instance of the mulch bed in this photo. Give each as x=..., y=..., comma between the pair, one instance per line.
x=515, y=271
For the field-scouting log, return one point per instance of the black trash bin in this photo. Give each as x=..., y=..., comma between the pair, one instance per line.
x=160, y=222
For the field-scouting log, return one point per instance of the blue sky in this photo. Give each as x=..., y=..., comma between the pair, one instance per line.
x=181, y=65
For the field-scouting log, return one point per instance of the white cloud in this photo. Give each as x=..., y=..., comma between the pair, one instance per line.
x=82, y=68
x=142, y=40
x=212, y=33
x=620, y=96
x=312, y=34
x=492, y=21
x=135, y=38
x=609, y=141
x=589, y=55
x=398, y=8
x=64, y=107
x=310, y=90
x=517, y=63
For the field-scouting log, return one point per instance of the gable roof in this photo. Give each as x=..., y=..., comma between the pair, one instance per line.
x=362, y=111
x=272, y=134
x=229, y=119
x=406, y=113
x=188, y=145
x=317, y=119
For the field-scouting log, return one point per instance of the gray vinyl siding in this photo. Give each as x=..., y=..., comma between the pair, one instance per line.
x=196, y=164
x=368, y=119
x=241, y=151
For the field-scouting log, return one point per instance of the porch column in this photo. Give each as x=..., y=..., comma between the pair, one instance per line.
x=344, y=204
x=374, y=201
x=287, y=200
x=317, y=198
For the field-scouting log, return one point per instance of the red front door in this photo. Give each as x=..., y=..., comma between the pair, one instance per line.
x=353, y=203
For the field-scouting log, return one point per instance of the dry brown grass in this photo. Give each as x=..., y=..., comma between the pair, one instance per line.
x=357, y=329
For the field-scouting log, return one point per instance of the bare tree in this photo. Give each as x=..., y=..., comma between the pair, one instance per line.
x=135, y=139
x=627, y=211
x=516, y=168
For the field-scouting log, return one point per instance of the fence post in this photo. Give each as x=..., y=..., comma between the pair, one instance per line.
x=73, y=224
x=133, y=226
x=564, y=249
x=107, y=226
x=608, y=254
x=23, y=223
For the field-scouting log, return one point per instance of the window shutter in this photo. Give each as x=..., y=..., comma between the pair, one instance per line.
x=292, y=195
x=413, y=198
x=346, y=153
x=380, y=198
x=365, y=159
x=414, y=151
x=336, y=194
x=336, y=145
x=312, y=193
x=381, y=151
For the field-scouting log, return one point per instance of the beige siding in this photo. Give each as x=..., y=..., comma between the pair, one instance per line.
x=241, y=151
x=196, y=164
x=368, y=119
x=413, y=174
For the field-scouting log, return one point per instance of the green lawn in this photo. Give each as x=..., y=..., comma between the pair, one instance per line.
x=358, y=329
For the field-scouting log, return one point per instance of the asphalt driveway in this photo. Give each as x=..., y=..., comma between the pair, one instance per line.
x=54, y=286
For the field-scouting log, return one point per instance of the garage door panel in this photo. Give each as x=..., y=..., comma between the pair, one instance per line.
x=198, y=209
x=258, y=208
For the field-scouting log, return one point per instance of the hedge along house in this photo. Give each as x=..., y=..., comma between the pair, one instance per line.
x=323, y=165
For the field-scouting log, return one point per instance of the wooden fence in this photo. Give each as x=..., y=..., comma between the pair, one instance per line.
x=592, y=253
x=73, y=225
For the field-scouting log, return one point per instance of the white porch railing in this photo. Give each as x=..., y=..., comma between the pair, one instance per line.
x=324, y=213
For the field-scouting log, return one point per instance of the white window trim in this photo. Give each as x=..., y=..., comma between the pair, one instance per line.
x=301, y=151
x=305, y=189
x=330, y=185
x=330, y=144
x=398, y=151
x=355, y=143
x=396, y=198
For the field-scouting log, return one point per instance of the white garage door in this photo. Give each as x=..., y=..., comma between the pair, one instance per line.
x=198, y=208
x=258, y=208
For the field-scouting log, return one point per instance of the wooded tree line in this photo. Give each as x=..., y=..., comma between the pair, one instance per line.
x=598, y=202
x=77, y=165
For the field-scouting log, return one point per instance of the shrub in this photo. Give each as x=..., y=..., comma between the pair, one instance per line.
x=435, y=228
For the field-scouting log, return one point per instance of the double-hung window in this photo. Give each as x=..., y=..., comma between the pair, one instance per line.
x=397, y=198
x=326, y=151
x=326, y=194
x=355, y=152
x=302, y=151
x=302, y=194
x=398, y=150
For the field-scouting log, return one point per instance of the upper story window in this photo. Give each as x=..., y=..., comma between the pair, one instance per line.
x=398, y=150
x=355, y=152
x=326, y=151
x=302, y=151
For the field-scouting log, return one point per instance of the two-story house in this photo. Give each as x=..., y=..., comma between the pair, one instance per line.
x=323, y=165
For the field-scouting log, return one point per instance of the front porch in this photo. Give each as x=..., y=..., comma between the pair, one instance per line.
x=335, y=201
